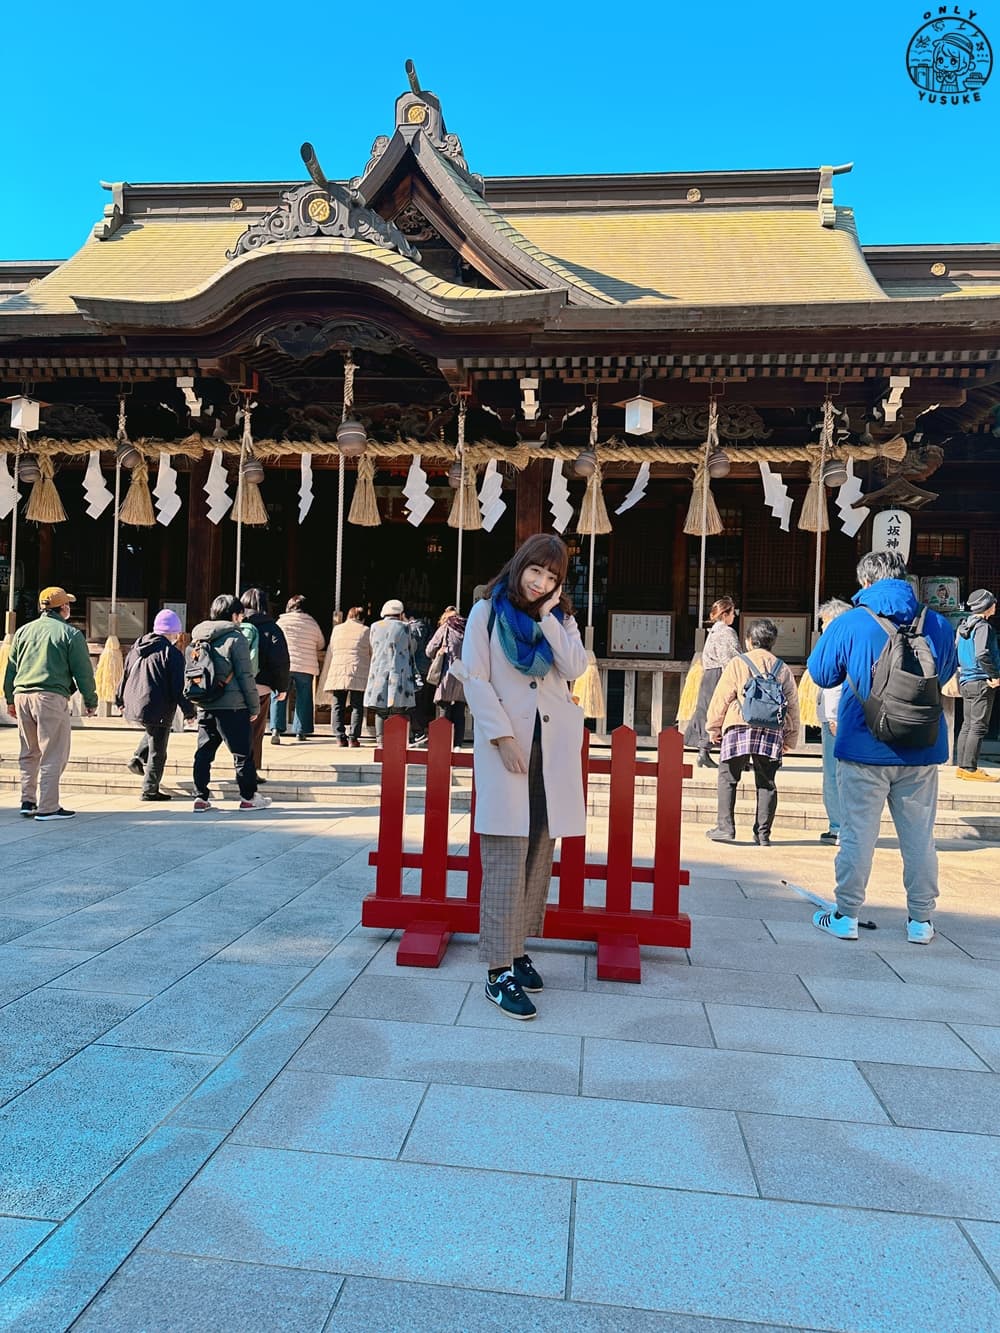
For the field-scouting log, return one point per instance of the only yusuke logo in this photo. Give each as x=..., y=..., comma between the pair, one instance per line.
x=949, y=57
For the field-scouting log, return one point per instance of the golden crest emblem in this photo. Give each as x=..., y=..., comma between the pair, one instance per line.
x=319, y=209
x=416, y=114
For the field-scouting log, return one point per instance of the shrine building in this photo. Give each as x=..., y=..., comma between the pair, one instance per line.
x=494, y=328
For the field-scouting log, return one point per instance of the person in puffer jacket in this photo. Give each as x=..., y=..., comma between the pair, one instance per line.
x=150, y=693
x=869, y=771
x=229, y=717
x=978, y=677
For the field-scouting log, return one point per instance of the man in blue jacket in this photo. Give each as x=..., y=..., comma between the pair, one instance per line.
x=870, y=771
x=978, y=677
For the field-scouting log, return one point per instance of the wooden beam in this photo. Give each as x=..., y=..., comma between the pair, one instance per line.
x=530, y=498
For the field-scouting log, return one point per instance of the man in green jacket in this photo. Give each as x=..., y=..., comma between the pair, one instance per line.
x=48, y=661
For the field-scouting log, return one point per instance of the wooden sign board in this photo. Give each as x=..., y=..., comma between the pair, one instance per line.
x=640, y=634
x=794, y=633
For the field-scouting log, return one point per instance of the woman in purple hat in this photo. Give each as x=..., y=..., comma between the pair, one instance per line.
x=151, y=691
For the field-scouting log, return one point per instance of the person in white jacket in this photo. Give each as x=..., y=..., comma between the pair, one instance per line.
x=521, y=651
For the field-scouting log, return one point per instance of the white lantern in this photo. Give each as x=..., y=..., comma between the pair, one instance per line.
x=891, y=531
x=23, y=413
x=639, y=416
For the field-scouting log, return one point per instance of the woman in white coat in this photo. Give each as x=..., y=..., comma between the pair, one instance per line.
x=521, y=651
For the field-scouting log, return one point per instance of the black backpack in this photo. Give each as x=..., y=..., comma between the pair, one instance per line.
x=206, y=673
x=763, y=703
x=903, y=708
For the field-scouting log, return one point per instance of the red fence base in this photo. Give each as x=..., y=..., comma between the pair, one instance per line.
x=430, y=917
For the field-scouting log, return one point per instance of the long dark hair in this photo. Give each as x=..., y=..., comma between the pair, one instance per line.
x=542, y=549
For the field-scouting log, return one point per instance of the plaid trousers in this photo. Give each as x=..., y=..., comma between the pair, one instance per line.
x=516, y=877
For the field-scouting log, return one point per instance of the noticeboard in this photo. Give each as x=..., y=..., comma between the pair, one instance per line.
x=640, y=634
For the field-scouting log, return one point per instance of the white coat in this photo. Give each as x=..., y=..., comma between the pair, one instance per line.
x=505, y=702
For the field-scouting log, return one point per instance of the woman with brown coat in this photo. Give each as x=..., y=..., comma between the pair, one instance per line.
x=736, y=716
x=348, y=660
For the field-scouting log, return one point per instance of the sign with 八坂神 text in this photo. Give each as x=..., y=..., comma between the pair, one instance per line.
x=891, y=532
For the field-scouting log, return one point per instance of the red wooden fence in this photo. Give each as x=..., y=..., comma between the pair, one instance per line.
x=430, y=916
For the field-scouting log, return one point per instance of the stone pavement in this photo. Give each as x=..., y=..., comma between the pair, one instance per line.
x=222, y=1106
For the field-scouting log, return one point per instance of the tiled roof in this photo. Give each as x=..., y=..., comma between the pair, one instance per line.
x=725, y=255
x=166, y=260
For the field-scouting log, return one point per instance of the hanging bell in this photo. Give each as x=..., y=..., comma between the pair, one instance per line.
x=585, y=463
x=352, y=438
x=253, y=470
x=455, y=475
x=834, y=473
x=718, y=464
x=127, y=454
x=28, y=470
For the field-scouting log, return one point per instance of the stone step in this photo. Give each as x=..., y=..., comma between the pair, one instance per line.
x=798, y=808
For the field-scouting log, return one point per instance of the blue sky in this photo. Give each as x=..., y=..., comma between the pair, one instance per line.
x=210, y=91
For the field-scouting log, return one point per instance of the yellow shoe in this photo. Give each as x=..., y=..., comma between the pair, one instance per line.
x=974, y=775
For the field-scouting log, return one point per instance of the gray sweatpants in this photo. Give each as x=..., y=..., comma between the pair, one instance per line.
x=912, y=792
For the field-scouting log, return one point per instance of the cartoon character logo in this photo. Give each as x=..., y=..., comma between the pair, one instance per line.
x=949, y=59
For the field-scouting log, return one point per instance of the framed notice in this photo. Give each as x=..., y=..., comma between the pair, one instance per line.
x=640, y=634
x=794, y=633
x=132, y=613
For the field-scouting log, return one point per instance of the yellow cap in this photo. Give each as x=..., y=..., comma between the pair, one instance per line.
x=49, y=599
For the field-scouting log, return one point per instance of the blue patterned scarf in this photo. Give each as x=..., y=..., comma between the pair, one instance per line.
x=521, y=637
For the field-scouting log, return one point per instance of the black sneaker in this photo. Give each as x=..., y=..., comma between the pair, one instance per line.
x=762, y=839
x=156, y=796
x=526, y=976
x=28, y=809
x=136, y=766
x=56, y=814
x=508, y=996
x=831, y=836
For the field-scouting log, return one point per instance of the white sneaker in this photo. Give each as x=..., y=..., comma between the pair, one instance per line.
x=920, y=932
x=257, y=802
x=843, y=927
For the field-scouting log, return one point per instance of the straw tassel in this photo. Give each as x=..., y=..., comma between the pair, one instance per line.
x=109, y=670
x=587, y=690
x=137, y=507
x=814, y=516
x=593, y=511
x=364, y=506
x=689, y=694
x=808, y=700
x=5, y=643
x=250, y=508
x=702, y=498
x=465, y=513
x=44, y=505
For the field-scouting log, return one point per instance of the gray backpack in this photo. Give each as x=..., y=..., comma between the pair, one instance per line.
x=903, y=708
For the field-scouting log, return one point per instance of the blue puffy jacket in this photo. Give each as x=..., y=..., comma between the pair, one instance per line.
x=852, y=644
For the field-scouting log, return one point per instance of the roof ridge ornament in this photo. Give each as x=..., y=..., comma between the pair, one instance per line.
x=824, y=197
x=420, y=109
x=322, y=208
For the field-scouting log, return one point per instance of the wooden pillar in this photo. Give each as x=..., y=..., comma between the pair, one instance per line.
x=204, y=547
x=679, y=581
x=530, y=497
x=45, y=575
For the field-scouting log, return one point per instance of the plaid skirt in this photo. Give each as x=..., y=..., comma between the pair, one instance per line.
x=738, y=741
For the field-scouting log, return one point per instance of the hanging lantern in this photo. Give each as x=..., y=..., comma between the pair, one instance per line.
x=718, y=464
x=455, y=475
x=352, y=438
x=253, y=470
x=28, y=470
x=24, y=413
x=585, y=463
x=834, y=473
x=127, y=454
